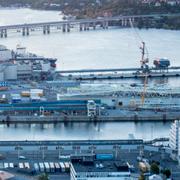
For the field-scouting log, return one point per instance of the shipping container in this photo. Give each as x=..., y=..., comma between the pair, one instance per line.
x=47, y=168
x=162, y=63
x=62, y=167
x=38, y=92
x=21, y=165
x=6, y=165
x=11, y=165
x=67, y=157
x=25, y=94
x=104, y=156
x=16, y=98
x=35, y=98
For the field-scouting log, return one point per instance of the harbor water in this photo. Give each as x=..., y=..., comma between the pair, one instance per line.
x=112, y=48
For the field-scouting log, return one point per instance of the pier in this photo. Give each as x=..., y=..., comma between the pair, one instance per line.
x=120, y=73
x=55, y=148
x=81, y=24
x=133, y=117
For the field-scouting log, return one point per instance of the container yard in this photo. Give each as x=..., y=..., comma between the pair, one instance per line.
x=32, y=90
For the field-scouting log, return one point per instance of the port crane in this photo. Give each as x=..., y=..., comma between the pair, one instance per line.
x=145, y=70
x=143, y=63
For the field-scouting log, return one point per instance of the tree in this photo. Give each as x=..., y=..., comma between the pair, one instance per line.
x=43, y=177
x=154, y=168
x=141, y=177
x=167, y=173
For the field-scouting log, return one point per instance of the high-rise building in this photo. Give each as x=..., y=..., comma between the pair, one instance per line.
x=174, y=139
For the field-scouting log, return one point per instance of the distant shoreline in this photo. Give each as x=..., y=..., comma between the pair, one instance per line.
x=169, y=23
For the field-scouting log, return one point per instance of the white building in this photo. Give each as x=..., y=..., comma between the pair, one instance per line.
x=174, y=140
x=5, y=54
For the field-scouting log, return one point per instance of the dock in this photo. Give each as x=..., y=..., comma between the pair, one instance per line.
x=120, y=73
x=159, y=117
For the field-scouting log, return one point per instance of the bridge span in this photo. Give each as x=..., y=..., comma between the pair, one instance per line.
x=81, y=24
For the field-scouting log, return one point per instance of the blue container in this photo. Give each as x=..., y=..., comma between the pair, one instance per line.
x=162, y=63
x=104, y=156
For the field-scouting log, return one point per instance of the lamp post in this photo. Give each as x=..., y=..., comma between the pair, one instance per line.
x=60, y=149
x=43, y=148
x=18, y=149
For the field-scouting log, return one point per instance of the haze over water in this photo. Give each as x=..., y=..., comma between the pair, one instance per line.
x=113, y=48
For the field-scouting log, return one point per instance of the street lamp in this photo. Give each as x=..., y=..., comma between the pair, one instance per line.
x=116, y=149
x=41, y=111
x=92, y=149
x=43, y=148
x=76, y=149
x=18, y=149
x=60, y=149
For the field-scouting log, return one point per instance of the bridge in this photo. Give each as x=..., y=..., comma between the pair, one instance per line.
x=82, y=24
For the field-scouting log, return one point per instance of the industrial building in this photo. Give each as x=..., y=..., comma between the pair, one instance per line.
x=100, y=170
x=20, y=64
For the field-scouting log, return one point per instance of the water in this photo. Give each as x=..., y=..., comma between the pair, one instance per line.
x=113, y=48
x=83, y=131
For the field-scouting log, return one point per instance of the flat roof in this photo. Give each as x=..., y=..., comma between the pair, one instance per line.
x=100, y=166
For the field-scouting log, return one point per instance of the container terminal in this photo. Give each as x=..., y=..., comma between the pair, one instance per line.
x=31, y=90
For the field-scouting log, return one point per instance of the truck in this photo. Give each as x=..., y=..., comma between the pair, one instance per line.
x=2, y=157
x=57, y=167
x=21, y=165
x=63, y=169
x=52, y=168
x=11, y=165
x=36, y=167
x=47, y=168
x=26, y=165
x=41, y=167
x=67, y=166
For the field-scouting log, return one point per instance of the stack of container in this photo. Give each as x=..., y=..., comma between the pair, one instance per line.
x=36, y=94
x=16, y=98
x=25, y=93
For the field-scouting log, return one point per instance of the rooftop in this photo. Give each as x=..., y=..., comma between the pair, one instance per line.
x=100, y=166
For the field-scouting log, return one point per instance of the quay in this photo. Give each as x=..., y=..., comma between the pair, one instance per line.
x=143, y=117
x=82, y=24
x=35, y=144
x=63, y=150
x=53, y=149
x=101, y=74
